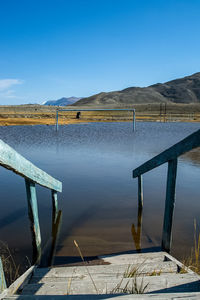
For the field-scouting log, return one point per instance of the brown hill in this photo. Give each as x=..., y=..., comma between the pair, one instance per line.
x=183, y=90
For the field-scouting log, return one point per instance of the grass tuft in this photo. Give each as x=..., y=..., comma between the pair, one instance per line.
x=193, y=260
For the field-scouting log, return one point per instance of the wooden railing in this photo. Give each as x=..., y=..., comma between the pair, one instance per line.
x=169, y=156
x=13, y=161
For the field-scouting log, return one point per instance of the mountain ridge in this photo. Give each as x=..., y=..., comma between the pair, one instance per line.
x=62, y=101
x=181, y=90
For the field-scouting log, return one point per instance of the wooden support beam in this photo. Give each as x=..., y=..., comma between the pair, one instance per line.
x=12, y=160
x=140, y=191
x=34, y=220
x=169, y=205
x=3, y=285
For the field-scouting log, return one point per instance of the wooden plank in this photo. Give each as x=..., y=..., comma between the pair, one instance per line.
x=187, y=144
x=169, y=205
x=134, y=258
x=152, y=296
x=3, y=285
x=179, y=264
x=175, y=283
x=12, y=160
x=19, y=283
x=107, y=270
x=34, y=220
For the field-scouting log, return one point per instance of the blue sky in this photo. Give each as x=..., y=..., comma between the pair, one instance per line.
x=55, y=48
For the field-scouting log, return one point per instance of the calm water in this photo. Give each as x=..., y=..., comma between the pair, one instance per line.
x=99, y=199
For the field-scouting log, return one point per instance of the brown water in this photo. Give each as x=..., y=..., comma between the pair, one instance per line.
x=99, y=199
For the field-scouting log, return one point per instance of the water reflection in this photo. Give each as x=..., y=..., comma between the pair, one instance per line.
x=137, y=233
x=50, y=248
x=95, y=163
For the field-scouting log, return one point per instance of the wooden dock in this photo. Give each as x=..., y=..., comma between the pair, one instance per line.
x=155, y=275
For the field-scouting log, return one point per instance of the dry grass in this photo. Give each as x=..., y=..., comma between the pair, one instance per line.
x=193, y=260
x=48, y=117
x=81, y=255
x=132, y=286
x=11, y=269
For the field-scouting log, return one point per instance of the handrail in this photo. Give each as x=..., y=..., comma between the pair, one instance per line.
x=10, y=159
x=169, y=156
x=185, y=145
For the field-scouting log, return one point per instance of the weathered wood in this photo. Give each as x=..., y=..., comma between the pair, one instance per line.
x=179, y=282
x=106, y=270
x=34, y=220
x=19, y=283
x=136, y=258
x=54, y=196
x=187, y=144
x=12, y=160
x=3, y=285
x=140, y=191
x=118, y=296
x=169, y=205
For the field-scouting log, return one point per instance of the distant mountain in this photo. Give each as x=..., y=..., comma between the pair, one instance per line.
x=62, y=102
x=184, y=90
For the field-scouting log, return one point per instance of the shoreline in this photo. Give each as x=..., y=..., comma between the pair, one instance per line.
x=15, y=121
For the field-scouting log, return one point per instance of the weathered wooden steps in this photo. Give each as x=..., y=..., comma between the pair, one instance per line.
x=155, y=275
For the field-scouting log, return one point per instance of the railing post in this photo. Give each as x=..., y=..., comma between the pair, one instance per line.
x=3, y=285
x=34, y=220
x=134, y=120
x=169, y=205
x=140, y=191
x=56, y=120
x=54, y=205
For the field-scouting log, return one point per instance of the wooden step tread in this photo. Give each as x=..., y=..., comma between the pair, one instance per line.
x=173, y=283
x=77, y=271
x=134, y=258
x=162, y=296
x=158, y=296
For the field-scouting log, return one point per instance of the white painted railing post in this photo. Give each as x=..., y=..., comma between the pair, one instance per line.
x=34, y=220
x=169, y=205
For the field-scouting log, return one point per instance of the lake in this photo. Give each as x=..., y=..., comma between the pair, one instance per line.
x=99, y=200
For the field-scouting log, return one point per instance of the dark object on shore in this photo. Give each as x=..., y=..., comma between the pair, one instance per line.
x=78, y=115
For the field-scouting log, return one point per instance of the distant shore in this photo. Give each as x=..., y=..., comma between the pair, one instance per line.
x=46, y=115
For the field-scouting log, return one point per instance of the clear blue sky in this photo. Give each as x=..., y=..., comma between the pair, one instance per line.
x=55, y=48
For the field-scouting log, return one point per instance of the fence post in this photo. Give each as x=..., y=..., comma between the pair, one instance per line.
x=134, y=120
x=140, y=191
x=56, y=120
x=169, y=205
x=3, y=285
x=34, y=220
